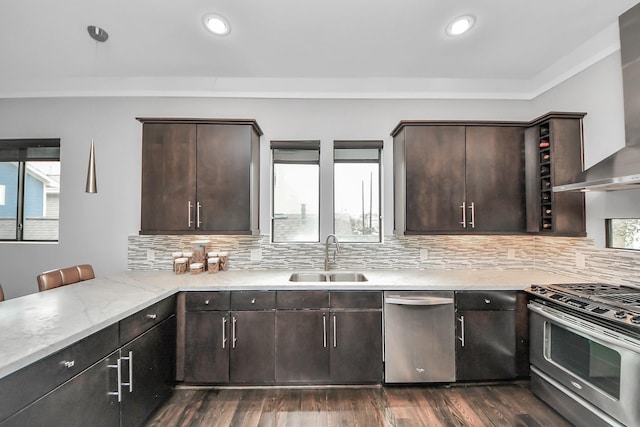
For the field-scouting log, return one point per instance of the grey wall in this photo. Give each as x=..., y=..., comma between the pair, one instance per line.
x=94, y=227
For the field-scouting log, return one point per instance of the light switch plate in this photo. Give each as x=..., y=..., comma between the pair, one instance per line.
x=511, y=253
x=151, y=255
x=424, y=254
x=580, y=260
x=256, y=255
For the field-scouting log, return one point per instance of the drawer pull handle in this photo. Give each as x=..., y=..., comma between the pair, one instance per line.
x=118, y=368
x=68, y=363
x=130, y=360
x=152, y=316
x=487, y=301
x=576, y=385
x=253, y=300
x=206, y=302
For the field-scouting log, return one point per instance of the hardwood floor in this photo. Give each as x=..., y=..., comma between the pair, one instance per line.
x=486, y=405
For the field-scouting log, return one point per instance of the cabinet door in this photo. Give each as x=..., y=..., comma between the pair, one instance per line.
x=224, y=177
x=168, y=176
x=435, y=178
x=495, y=178
x=356, y=346
x=302, y=346
x=486, y=345
x=81, y=401
x=206, y=347
x=148, y=367
x=252, y=353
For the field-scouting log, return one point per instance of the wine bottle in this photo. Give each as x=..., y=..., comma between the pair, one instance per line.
x=546, y=225
x=544, y=144
x=544, y=170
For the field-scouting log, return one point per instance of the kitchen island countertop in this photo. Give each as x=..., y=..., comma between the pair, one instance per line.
x=37, y=325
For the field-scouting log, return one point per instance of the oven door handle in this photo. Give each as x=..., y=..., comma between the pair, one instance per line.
x=608, y=336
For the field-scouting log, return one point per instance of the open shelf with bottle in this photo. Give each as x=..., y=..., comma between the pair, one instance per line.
x=553, y=155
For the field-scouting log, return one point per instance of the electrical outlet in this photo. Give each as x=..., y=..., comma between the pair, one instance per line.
x=151, y=255
x=511, y=253
x=424, y=254
x=580, y=260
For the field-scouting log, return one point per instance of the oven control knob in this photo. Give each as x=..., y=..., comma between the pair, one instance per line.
x=620, y=314
x=534, y=288
x=542, y=291
x=635, y=320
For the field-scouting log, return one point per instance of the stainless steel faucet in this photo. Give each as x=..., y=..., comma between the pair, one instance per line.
x=326, y=250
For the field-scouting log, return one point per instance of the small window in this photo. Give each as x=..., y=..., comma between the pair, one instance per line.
x=296, y=191
x=30, y=182
x=623, y=233
x=356, y=193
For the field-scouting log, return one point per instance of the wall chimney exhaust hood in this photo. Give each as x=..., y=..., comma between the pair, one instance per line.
x=621, y=170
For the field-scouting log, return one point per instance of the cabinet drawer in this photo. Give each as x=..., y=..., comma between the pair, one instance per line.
x=208, y=301
x=143, y=320
x=486, y=300
x=19, y=389
x=356, y=299
x=300, y=300
x=253, y=300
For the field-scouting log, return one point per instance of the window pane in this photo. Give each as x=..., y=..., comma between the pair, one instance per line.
x=624, y=233
x=9, y=199
x=42, y=201
x=296, y=195
x=357, y=202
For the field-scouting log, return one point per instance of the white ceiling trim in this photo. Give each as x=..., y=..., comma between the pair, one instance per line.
x=589, y=53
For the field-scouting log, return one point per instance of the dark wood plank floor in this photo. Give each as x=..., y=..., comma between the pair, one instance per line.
x=487, y=405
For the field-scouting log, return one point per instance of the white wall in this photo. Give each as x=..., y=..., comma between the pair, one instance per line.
x=94, y=227
x=598, y=92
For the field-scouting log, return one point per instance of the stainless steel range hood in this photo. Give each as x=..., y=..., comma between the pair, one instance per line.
x=621, y=170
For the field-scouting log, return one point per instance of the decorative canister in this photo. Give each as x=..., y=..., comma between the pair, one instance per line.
x=175, y=256
x=224, y=260
x=198, y=249
x=180, y=265
x=196, y=267
x=213, y=264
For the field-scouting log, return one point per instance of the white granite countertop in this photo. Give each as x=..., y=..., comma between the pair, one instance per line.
x=37, y=325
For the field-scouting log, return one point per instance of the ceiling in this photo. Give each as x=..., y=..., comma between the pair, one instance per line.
x=301, y=48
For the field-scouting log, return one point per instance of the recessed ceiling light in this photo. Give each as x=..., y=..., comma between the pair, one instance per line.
x=217, y=24
x=460, y=25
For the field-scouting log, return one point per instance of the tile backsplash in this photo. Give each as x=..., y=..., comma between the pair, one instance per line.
x=570, y=256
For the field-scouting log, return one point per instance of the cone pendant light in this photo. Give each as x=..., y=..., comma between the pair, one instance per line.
x=91, y=172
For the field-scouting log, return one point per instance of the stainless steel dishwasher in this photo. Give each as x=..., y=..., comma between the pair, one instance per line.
x=419, y=330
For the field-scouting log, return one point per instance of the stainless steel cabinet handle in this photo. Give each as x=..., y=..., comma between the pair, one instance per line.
x=487, y=301
x=324, y=331
x=152, y=316
x=417, y=300
x=206, y=302
x=472, y=223
x=198, y=222
x=224, y=332
x=463, y=206
x=335, y=332
x=68, y=363
x=189, y=223
x=461, y=337
x=233, y=332
x=130, y=359
x=118, y=368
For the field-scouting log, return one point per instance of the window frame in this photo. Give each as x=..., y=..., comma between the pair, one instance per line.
x=23, y=151
x=358, y=145
x=609, y=234
x=295, y=145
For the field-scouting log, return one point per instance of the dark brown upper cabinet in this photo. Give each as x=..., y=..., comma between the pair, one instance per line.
x=452, y=177
x=554, y=155
x=200, y=176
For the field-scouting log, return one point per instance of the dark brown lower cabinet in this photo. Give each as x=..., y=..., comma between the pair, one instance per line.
x=356, y=346
x=148, y=366
x=486, y=335
x=235, y=347
x=302, y=346
x=97, y=397
x=81, y=401
x=338, y=347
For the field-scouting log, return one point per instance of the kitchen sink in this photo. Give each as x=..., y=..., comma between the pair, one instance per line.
x=308, y=277
x=327, y=277
x=347, y=277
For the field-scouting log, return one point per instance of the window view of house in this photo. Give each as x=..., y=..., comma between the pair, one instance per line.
x=296, y=192
x=29, y=190
x=357, y=191
x=623, y=233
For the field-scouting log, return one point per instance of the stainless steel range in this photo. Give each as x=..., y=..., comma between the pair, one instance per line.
x=585, y=351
